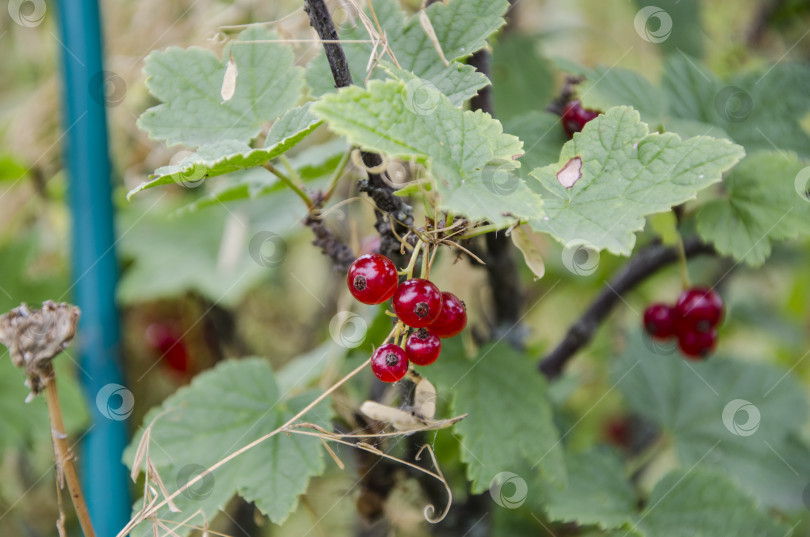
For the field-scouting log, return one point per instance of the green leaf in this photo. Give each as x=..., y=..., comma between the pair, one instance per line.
x=189, y=83
x=159, y=268
x=522, y=80
x=763, y=203
x=229, y=156
x=605, y=87
x=743, y=106
x=313, y=163
x=597, y=493
x=467, y=153
x=510, y=419
x=627, y=173
x=758, y=120
x=542, y=136
x=689, y=400
x=690, y=89
x=461, y=27
x=221, y=411
x=700, y=502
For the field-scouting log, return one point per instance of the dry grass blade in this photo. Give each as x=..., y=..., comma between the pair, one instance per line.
x=427, y=26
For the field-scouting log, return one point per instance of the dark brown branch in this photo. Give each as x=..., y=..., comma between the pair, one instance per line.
x=501, y=267
x=321, y=21
x=643, y=265
x=375, y=186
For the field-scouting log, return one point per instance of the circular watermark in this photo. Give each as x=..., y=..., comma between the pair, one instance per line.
x=190, y=175
x=345, y=15
x=802, y=183
x=268, y=249
x=733, y=104
x=201, y=489
x=348, y=329
x=751, y=423
x=660, y=347
x=421, y=97
x=115, y=402
x=107, y=88
x=653, y=24
x=499, y=178
x=508, y=490
x=580, y=257
x=27, y=13
x=397, y=173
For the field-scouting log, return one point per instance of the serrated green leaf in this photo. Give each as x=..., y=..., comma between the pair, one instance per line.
x=627, y=173
x=467, y=153
x=689, y=399
x=461, y=27
x=743, y=106
x=700, y=502
x=189, y=83
x=597, y=493
x=228, y=156
x=222, y=410
x=762, y=204
x=510, y=420
x=313, y=163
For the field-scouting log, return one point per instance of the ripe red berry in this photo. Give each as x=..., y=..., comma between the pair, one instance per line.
x=417, y=302
x=372, y=278
x=169, y=343
x=698, y=309
x=389, y=363
x=575, y=117
x=696, y=344
x=452, y=319
x=422, y=347
x=660, y=321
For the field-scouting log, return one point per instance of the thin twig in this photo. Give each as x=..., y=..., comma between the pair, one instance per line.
x=64, y=459
x=640, y=267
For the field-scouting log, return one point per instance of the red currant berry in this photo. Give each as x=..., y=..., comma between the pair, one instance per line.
x=372, y=278
x=422, y=347
x=169, y=343
x=453, y=317
x=389, y=363
x=698, y=308
x=660, y=321
x=696, y=344
x=417, y=302
x=574, y=117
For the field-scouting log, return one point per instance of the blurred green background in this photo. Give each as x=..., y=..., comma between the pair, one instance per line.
x=189, y=277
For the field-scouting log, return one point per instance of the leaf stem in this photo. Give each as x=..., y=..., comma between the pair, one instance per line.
x=64, y=459
x=337, y=175
x=295, y=187
x=685, y=281
x=412, y=262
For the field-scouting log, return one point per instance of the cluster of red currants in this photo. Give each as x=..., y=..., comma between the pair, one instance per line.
x=693, y=320
x=418, y=304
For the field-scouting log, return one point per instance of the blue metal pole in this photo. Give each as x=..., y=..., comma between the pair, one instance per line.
x=94, y=265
